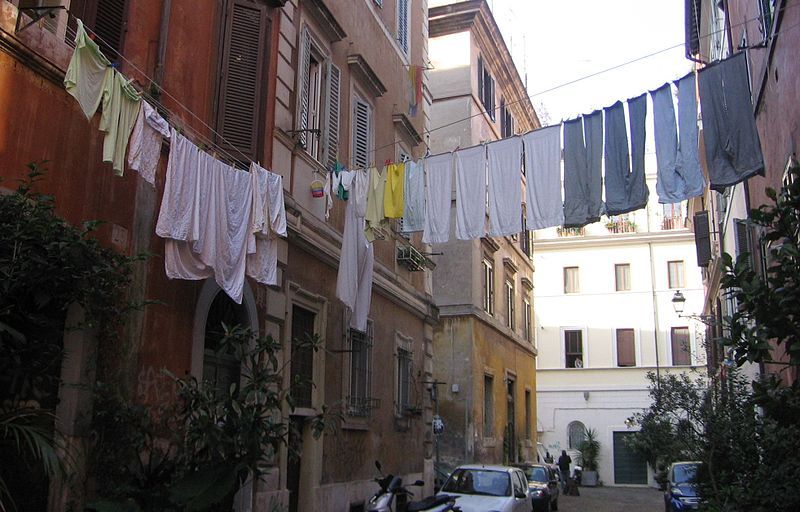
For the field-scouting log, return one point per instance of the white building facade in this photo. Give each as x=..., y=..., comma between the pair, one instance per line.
x=604, y=319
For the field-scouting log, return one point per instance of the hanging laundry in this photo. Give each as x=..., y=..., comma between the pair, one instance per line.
x=688, y=143
x=505, y=186
x=360, y=189
x=583, y=180
x=626, y=191
x=470, y=193
x=376, y=224
x=327, y=193
x=393, y=197
x=414, y=208
x=175, y=219
x=675, y=182
x=732, y=146
x=438, y=195
x=543, y=178
x=342, y=181
x=145, y=144
x=637, y=116
x=268, y=223
x=356, y=263
x=87, y=72
x=120, y=108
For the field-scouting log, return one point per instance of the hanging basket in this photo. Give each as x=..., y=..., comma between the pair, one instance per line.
x=317, y=188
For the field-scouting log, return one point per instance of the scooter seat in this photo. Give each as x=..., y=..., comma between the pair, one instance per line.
x=429, y=502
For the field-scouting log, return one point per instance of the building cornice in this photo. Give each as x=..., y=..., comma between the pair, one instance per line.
x=573, y=242
x=326, y=20
x=406, y=127
x=363, y=71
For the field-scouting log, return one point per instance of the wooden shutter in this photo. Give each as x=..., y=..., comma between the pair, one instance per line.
x=743, y=244
x=109, y=25
x=626, y=351
x=303, y=85
x=480, y=78
x=702, y=238
x=680, y=346
x=402, y=24
x=331, y=144
x=241, y=89
x=361, y=132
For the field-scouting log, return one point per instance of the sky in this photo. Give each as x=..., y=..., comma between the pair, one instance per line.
x=554, y=43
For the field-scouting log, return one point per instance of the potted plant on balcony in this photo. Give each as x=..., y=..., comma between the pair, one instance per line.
x=590, y=452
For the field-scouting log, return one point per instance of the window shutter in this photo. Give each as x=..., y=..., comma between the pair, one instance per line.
x=702, y=238
x=743, y=240
x=361, y=130
x=241, y=78
x=109, y=25
x=480, y=78
x=402, y=24
x=331, y=147
x=304, y=86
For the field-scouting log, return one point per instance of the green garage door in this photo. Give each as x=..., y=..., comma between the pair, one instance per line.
x=629, y=468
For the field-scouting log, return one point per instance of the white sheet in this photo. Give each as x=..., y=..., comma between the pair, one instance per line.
x=545, y=208
x=505, y=186
x=438, y=193
x=470, y=193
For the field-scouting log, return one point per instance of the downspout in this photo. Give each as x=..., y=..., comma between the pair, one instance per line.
x=655, y=311
x=163, y=33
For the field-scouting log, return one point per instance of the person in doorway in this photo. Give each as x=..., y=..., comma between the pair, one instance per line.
x=563, y=466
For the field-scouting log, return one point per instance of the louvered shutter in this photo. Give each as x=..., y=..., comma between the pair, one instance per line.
x=331, y=146
x=361, y=130
x=743, y=240
x=242, y=78
x=402, y=24
x=702, y=238
x=304, y=85
x=109, y=25
x=480, y=79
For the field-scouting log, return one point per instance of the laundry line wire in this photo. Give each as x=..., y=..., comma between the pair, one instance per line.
x=215, y=146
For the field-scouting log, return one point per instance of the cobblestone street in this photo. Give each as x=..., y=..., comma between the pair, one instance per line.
x=613, y=499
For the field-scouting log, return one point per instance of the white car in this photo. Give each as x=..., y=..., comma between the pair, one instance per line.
x=482, y=488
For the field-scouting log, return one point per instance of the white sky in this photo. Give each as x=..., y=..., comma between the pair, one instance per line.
x=559, y=41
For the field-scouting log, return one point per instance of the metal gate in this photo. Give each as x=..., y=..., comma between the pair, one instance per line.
x=629, y=467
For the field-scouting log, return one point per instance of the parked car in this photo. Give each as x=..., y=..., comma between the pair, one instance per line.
x=681, y=490
x=543, y=485
x=488, y=488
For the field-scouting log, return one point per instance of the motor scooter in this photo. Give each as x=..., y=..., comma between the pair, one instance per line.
x=392, y=497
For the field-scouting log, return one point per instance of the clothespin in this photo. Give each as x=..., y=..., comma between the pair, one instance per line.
x=387, y=162
x=427, y=151
x=457, y=148
x=405, y=158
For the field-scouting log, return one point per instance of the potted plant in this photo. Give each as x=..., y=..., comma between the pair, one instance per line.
x=590, y=452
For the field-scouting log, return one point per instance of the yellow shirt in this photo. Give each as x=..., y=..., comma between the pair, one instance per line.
x=393, y=196
x=376, y=218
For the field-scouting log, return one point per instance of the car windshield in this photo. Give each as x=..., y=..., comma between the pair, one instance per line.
x=479, y=481
x=684, y=473
x=536, y=474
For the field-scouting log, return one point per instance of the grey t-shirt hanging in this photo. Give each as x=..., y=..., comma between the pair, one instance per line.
x=583, y=181
x=732, y=146
x=626, y=190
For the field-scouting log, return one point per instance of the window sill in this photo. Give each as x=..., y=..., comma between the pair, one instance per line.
x=355, y=423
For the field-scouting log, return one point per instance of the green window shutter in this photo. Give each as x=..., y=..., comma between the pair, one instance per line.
x=241, y=89
x=331, y=145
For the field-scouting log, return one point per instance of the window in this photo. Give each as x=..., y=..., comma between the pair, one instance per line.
x=675, y=274
x=486, y=88
x=359, y=402
x=241, y=91
x=509, y=288
x=488, y=286
x=622, y=274
x=404, y=372
x=362, y=132
x=673, y=216
x=576, y=433
x=506, y=121
x=527, y=325
x=106, y=18
x=525, y=237
x=626, y=348
x=573, y=348
x=527, y=414
x=403, y=22
x=743, y=244
x=221, y=368
x=681, y=350
x=571, y=280
x=488, y=406
x=302, y=365
x=318, y=101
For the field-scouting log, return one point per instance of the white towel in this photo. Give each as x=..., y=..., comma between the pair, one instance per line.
x=471, y=193
x=177, y=203
x=144, y=148
x=414, y=193
x=356, y=262
x=505, y=186
x=438, y=193
x=269, y=222
x=545, y=207
x=359, y=192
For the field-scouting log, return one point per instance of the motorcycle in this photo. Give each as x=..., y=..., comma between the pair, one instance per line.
x=392, y=493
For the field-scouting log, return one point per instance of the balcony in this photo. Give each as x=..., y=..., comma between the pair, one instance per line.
x=617, y=226
x=672, y=222
x=569, y=232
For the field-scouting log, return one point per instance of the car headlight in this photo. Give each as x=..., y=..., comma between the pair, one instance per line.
x=677, y=491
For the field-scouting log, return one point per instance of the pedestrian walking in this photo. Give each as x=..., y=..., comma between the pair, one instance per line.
x=563, y=466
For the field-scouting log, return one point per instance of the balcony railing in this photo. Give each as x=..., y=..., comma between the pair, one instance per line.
x=567, y=232
x=672, y=222
x=361, y=406
x=621, y=226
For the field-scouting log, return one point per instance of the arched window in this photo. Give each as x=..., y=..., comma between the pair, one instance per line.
x=576, y=433
x=222, y=368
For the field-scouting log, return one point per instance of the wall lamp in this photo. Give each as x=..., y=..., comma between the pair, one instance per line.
x=679, y=303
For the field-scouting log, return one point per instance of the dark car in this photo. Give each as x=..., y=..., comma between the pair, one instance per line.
x=681, y=492
x=543, y=486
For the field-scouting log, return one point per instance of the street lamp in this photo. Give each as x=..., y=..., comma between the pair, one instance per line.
x=679, y=303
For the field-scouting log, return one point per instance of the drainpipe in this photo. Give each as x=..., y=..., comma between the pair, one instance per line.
x=166, y=7
x=655, y=310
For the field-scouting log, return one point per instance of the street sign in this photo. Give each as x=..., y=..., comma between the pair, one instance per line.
x=438, y=425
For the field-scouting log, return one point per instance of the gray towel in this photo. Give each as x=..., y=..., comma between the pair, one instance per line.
x=623, y=188
x=583, y=181
x=733, y=150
